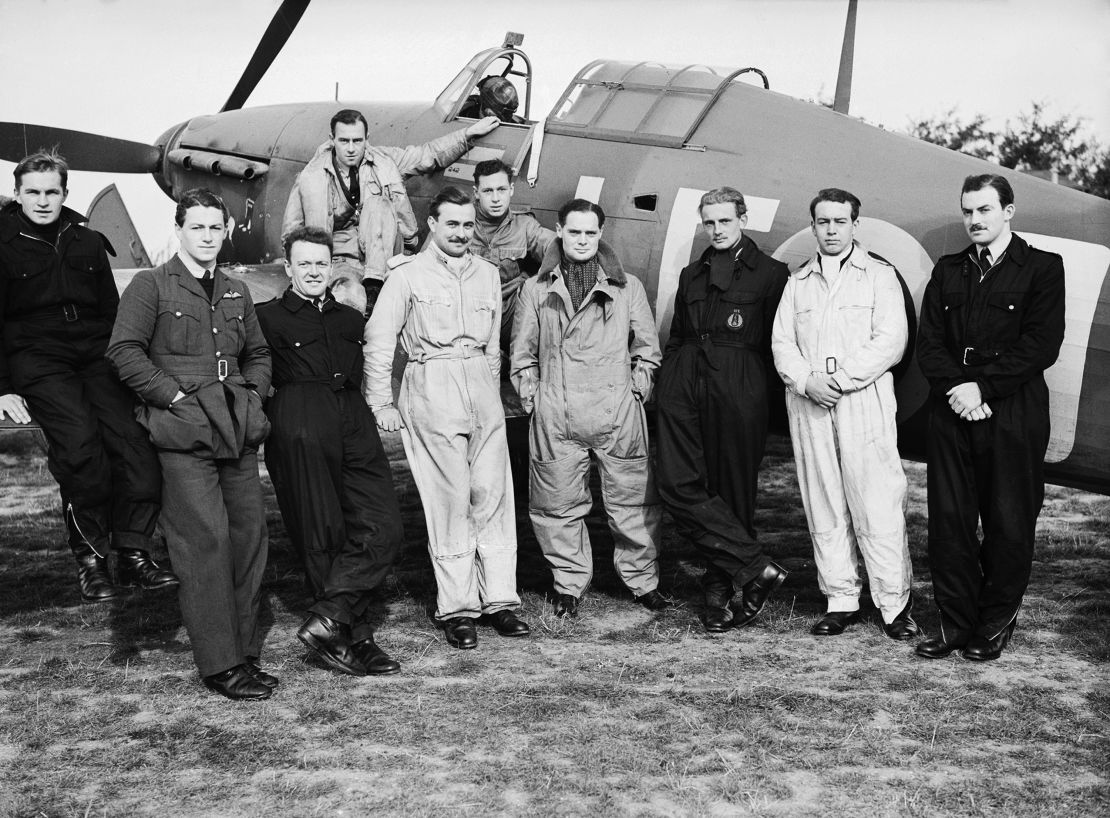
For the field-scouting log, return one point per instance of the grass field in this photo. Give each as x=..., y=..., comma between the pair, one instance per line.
x=620, y=712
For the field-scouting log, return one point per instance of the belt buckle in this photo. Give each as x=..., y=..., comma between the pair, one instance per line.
x=967, y=350
x=221, y=368
x=69, y=311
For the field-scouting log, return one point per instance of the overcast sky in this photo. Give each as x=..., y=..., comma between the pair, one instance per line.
x=133, y=68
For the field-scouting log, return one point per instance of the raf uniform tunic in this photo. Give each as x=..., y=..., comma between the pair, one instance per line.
x=712, y=399
x=330, y=473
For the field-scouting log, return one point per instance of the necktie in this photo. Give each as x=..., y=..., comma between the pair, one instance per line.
x=207, y=276
x=985, y=259
x=318, y=303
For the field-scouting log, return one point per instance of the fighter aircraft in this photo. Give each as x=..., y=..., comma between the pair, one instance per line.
x=644, y=140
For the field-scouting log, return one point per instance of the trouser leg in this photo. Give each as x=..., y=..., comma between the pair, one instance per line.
x=242, y=496
x=817, y=455
x=492, y=503
x=373, y=523
x=1019, y=435
x=195, y=520
x=631, y=501
x=133, y=462
x=559, y=500
x=875, y=486
x=953, y=517
x=76, y=455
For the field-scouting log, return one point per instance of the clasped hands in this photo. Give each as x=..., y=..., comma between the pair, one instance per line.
x=966, y=400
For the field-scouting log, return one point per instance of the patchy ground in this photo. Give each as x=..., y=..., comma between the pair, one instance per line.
x=619, y=712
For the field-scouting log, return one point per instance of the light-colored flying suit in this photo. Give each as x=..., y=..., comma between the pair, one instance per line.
x=447, y=313
x=587, y=373
x=849, y=471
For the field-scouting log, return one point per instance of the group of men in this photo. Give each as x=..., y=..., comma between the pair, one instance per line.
x=155, y=404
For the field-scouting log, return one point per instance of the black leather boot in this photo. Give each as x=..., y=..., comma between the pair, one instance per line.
x=93, y=577
x=135, y=568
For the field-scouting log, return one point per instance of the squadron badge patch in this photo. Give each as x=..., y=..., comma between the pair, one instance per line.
x=735, y=320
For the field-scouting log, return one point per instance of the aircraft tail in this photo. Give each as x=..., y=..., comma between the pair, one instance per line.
x=108, y=215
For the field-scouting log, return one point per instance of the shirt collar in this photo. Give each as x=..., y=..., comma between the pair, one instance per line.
x=196, y=270
x=997, y=247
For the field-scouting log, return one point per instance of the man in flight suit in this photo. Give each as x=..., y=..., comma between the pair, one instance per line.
x=584, y=353
x=58, y=300
x=992, y=322
x=445, y=305
x=515, y=242
x=712, y=416
x=187, y=341
x=356, y=192
x=497, y=97
x=330, y=473
x=840, y=327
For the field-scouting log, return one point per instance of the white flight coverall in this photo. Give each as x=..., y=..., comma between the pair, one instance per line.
x=587, y=374
x=849, y=470
x=447, y=312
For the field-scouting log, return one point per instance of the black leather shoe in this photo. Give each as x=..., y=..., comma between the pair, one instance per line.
x=902, y=627
x=94, y=580
x=566, y=605
x=716, y=620
x=747, y=604
x=506, y=623
x=981, y=649
x=461, y=633
x=940, y=646
x=331, y=641
x=239, y=684
x=654, y=601
x=376, y=661
x=834, y=622
x=255, y=670
x=135, y=568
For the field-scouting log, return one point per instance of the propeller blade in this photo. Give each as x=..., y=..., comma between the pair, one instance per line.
x=82, y=150
x=847, y=56
x=277, y=33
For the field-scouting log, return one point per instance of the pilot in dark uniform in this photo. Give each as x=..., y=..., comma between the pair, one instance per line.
x=992, y=322
x=330, y=473
x=496, y=97
x=712, y=409
x=58, y=300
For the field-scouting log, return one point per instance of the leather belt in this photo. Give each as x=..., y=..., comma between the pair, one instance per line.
x=67, y=312
x=980, y=357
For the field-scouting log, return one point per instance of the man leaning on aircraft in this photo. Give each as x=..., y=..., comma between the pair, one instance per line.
x=58, y=300
x=992, y=322
x=357, y=193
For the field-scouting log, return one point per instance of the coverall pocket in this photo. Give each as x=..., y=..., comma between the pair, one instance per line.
x=435, y=316
x=83, y=264
x=737, y=311
x=1005, y=316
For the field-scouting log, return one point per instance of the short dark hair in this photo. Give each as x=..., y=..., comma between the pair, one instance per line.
x=724, y=195
x=348, y=116
x=835, y=194
x=309, y=235
x=982, y=180
x=491, y=167
x=449, y=195
x=198, y=197
x=42, y=161
x=581, y=206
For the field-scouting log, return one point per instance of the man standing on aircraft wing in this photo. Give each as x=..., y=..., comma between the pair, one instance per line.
x=330, y=473
x=712, y=415
x=58, y=300
x=357, y=193
x=445, y=306
x=515, y=242
x=187, y=341
x=840, y=327
x=992, y=322
x=584, y=354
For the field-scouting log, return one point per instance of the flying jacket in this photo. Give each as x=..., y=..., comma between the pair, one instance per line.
x=386, y=220
x=169, y=337
x=593, y=356
x=1001, y=333
x=37, y=278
